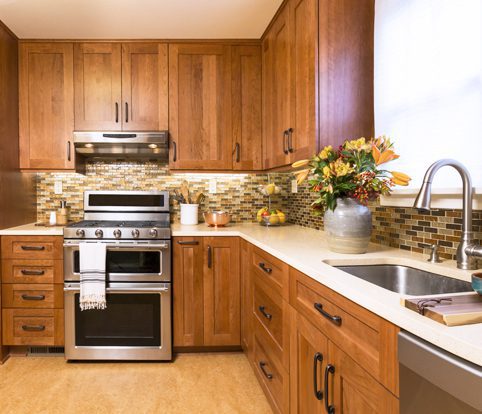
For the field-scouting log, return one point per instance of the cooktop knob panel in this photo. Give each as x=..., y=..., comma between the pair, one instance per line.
x=99, y=233
x=117, y=233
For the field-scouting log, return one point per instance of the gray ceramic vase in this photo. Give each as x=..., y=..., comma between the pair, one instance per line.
x=349, y=227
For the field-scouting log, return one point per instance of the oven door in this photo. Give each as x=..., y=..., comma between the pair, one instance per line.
x=135, y=326
x=126, y=261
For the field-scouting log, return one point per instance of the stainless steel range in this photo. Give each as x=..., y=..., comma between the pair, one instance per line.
x=136, y=325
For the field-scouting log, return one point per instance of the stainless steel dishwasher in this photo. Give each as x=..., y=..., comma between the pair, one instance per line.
x=435, y=381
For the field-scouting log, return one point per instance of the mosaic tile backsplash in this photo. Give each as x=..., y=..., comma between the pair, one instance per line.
x=236, y=193
x=404, y=228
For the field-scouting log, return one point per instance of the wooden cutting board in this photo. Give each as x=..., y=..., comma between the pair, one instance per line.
x=449, y=310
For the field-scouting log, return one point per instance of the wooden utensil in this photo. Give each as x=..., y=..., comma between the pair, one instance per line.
x=185, y=191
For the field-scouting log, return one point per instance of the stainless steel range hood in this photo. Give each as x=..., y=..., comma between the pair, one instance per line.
x=122, y=145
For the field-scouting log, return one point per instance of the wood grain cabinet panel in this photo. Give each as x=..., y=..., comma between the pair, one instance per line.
x=187, y=283
x=32, y=271
x=221, y=291
x=46, y=106
x=199, y=106
x=97, y=81
x=32, y=247
x=246, y=251
x=246, y=100
x=144, y=87
x=33, y=296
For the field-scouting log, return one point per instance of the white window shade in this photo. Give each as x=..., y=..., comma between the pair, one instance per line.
x=428, y=86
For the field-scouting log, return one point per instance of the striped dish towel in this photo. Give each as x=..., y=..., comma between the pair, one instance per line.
x=92, y=275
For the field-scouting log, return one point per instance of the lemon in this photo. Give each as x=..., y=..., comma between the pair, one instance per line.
x=274, y=219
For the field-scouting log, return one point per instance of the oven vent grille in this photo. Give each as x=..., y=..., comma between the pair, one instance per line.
x=45, y=350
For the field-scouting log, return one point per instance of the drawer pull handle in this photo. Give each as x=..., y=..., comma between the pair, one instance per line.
x=330, y=369
x=36, y=248
x=32, y=272
x=332, y=318
x=266, y=374
x=318, y=357
x=266, y=269
x=188, y=242
x=265, y=314
x=33, y=297
x=33, y=328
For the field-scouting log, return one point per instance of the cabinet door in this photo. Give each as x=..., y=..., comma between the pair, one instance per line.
x=46, y=106
x=97, y=81
x=303, y=135
x=188, y=291
x=144, y=87
x=199, y=102
x=353, y=390
x=308, y=360
x=221, y=291
x=278, y=75
x=246, y=97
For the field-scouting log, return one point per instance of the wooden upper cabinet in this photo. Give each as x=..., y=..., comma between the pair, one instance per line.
x=277, y=92
x=144, y=87
x=303, y=135
x=221, y=291
x=246, y=115
x=97, y=80
x=200, y=106
x=46, y=111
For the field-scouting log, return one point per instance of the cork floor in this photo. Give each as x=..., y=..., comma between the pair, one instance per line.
x=193, y=383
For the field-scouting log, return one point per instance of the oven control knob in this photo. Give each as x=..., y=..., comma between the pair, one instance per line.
x=117, y=234
x=80, y=233
x=135, y=233
x=153, y=232
x=99, y=233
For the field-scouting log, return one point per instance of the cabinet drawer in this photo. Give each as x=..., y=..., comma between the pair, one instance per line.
x=272, y=270
x=32, y=247
x=32, y=296
x=33, y=327
x=32, y=271
x=367, y=338
x=271, y=311
x=274, y=379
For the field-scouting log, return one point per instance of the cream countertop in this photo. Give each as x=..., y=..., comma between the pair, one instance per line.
x=306, y=250
x=32, y=230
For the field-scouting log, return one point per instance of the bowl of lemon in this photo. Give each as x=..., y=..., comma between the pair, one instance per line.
x=270, y=217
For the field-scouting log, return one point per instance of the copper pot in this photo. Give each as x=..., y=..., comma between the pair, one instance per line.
x=216, y=218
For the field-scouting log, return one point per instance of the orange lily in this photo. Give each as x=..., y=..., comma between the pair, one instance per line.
x=386, y=156
x=302, y=175
x=400, y=176
x=376, y=154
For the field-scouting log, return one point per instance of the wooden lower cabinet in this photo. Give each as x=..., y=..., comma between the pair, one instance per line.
x=206, y=286
x=245, y=253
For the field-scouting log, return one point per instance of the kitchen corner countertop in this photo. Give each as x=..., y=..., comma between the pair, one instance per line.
x=307, y=251
x=33, y=230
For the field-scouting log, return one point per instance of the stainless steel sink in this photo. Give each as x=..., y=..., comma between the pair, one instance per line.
x=407, y=280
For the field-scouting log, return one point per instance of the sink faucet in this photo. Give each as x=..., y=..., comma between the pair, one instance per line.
x=467, y=250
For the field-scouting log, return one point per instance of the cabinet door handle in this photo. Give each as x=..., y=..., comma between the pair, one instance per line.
x=318, y=357
x=68, y=151
x=290, y=140
x=264, y=268
x=330, y=369
x=188, y=242
x=266, y=374
x=33, y=297
x=117, y=112
x=285, y=142
x=35, y=328
x=127, y=112
x=332, y=318
x=210, y=257
x=265, y=314
x=32, y=272
x=174, y=151
x=237, y=148
x=36, y=248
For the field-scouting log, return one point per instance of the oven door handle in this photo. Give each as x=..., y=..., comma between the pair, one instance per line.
x=123, y=290
x=161, y=246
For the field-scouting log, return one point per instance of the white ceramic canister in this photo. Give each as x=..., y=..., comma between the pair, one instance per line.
x=189, y=213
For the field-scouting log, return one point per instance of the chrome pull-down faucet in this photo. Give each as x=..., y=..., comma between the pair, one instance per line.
x=467, y=251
